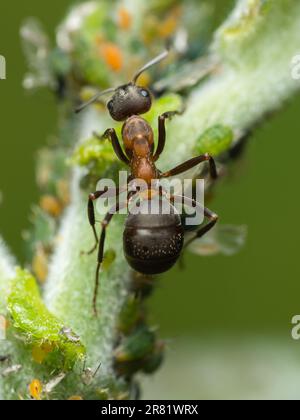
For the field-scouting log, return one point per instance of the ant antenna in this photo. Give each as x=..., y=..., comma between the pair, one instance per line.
x=151, y=63
x=93, y=99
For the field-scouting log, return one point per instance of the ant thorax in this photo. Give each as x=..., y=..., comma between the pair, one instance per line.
x=137, y=133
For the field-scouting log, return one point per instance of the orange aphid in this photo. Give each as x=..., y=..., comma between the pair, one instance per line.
x=99, y=39
x=4, y=323
x=63, y=191
x=112, y=55
x=75, y=398
x=169, y=25
x=7, y=323
x=35, y=389
x=149, y=32
x=124, y=19
x=40, y=264
x=51, y=205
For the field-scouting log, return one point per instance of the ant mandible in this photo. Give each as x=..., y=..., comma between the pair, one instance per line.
x=152, y=242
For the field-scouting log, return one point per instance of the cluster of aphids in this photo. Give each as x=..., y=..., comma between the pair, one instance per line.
x=152, y=242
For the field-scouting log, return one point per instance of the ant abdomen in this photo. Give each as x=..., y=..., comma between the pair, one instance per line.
x=153, y=242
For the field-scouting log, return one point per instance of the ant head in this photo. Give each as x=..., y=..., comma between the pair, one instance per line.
x=129, y=100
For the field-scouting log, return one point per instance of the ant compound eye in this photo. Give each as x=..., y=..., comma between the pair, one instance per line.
x=110, y=106
x=145, y=93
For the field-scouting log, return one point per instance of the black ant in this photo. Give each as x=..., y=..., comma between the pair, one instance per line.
x=152, y=242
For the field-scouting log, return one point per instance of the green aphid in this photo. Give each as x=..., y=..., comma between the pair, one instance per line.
x=60, y=62
x=130, y=314
x=154, y=361
x=215, y=140
x=148, y=364
x=137, y=346
x=109, y=258
x=102, y=394
x=91, y=150
x=97, y=156
x=32, y=320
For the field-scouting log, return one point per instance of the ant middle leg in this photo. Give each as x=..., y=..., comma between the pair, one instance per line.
x=189, y=164
x=162, y=131
x=111, y=135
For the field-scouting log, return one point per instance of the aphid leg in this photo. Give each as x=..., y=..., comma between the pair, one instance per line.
x=84, y=365
x=111, y=135
x=189, y=164
x=97, y=370
x=211, y=216
x=162, y=131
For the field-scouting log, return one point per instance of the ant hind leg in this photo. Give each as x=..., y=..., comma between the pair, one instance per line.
x=189, y=164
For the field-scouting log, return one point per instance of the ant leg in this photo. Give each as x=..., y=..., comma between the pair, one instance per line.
x=211, y=216
x=162, y=131
x=189, y=164
x=111, y=135
x=105, y=224
x=92, y=220
x=91, y=211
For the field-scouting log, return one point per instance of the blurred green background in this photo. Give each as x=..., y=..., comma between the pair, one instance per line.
x=253, y=294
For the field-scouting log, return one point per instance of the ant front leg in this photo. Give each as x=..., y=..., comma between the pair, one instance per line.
x=191, y=164
x=162, y=131
x=111, y=135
